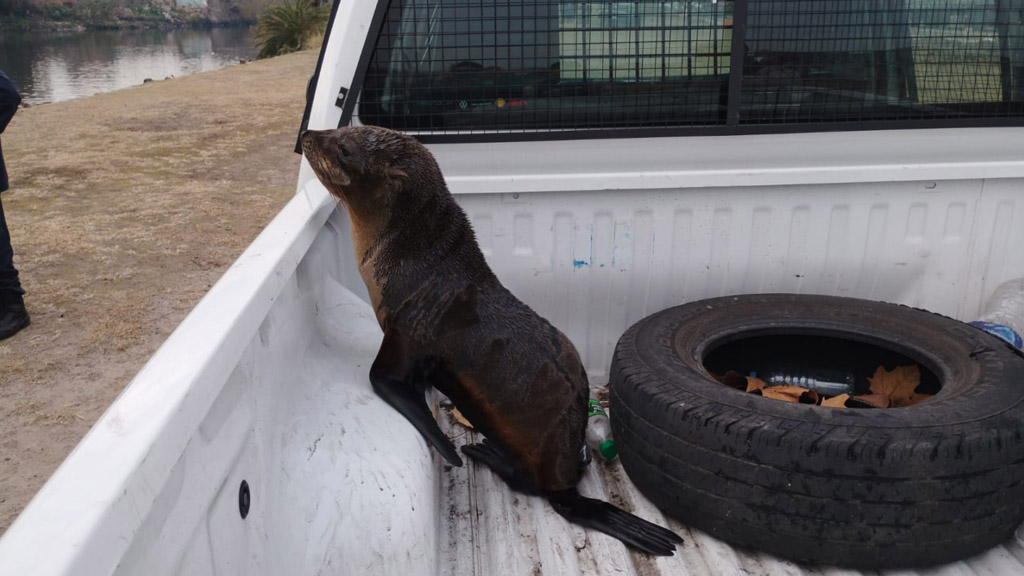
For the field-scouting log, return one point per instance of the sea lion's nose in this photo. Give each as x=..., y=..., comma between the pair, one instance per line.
x=307, y=140
x=310, y=138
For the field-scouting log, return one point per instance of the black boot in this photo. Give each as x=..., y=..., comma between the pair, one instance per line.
x=13, y=316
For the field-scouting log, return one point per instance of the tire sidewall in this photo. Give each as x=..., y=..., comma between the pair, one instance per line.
x=971, y=365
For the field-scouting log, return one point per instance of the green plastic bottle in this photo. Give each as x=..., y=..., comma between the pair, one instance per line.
x=599, y=431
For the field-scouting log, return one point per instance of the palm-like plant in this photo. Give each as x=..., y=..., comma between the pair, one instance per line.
x=290, y=26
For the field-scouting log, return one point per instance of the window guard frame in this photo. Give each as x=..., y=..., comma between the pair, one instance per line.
x=732, y=126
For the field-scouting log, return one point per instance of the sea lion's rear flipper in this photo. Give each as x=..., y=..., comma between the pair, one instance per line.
x=599, y=515
x=635, y=532
x=388, y=375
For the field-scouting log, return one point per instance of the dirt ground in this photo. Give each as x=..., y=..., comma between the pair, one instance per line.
x=124, y=209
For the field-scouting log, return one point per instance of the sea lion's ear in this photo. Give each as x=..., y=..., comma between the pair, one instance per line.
x=393, y=172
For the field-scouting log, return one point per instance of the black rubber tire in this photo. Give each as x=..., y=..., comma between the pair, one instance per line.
x=900, y=487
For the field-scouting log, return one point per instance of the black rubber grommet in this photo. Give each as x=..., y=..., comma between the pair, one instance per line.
x=244, y=499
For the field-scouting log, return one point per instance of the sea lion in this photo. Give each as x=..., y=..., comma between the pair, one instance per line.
x=449, y=323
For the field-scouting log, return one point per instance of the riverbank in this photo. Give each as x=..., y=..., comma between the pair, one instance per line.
x=124, y=209
x=172, y=21
x=113, y=15
x=9, y=23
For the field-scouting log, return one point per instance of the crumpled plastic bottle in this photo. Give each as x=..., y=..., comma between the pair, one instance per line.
x=1003, y=315
x=599, y=432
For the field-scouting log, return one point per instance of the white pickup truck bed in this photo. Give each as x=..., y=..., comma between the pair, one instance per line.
x=266, y=380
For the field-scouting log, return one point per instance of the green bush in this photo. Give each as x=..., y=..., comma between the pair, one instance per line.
x=290, y=27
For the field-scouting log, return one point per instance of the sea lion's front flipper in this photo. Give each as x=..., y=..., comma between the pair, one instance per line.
x=500, y=463
x=389, y=377
x=604, y=517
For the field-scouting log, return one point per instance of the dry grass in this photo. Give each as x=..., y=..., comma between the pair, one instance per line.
x=35, y=414
x=124, y=209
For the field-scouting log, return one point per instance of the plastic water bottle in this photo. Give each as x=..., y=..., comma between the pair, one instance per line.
x=1003, y=315
x=599, y=431
x=827, y=383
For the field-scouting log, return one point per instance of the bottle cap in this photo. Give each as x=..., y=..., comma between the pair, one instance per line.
x=608, y=449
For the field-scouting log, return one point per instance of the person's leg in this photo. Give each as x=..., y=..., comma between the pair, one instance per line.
x=13, y=316
x=8, y=273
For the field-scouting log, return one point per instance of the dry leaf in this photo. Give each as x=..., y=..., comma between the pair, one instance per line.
x=888, y=389
x=810, y=397
x=732, y=379
x=778, y=393
x=755, y=384
x=836, y=401
x=898, y=385
x=460, y=418
x=788, y=393
x=876, y=400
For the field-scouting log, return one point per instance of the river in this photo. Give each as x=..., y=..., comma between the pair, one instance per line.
x=50, y=67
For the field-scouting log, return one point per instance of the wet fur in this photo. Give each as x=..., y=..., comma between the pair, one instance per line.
x=447, y=321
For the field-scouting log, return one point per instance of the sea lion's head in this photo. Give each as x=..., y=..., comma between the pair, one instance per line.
x=367, y=166
x=387, y=180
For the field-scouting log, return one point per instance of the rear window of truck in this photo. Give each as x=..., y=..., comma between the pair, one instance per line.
x=486, y=66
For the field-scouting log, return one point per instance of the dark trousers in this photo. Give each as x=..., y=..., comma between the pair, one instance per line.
x=8, y=273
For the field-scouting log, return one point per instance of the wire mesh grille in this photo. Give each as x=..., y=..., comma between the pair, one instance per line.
x=469, y=66
x=858, y=60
